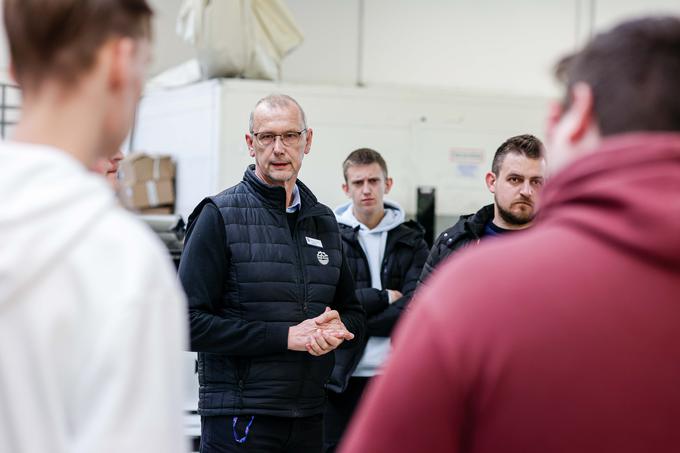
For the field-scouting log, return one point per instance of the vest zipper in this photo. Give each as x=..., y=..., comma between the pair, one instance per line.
x=301, y=266
x=301, y=280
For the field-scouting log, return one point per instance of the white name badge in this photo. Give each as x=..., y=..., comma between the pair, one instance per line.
x=314, y=242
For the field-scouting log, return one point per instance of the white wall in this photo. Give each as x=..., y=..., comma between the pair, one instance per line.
x=483, y=46
x=608, y=12
x=492, y=46
x=169, y=49
x=487, y=46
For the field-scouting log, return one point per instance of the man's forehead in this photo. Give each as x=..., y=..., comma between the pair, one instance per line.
x=266, y=113
x=516, y=163
x=363, y=171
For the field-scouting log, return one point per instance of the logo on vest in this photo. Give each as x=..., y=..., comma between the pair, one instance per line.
x=322, y=257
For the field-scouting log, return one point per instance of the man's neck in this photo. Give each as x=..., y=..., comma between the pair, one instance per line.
x=371, y=221
x=287, y=185
x=69, y=123
x=509, y=226
x=500, y=223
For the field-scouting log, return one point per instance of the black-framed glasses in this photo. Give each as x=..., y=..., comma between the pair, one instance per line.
x=289, y=138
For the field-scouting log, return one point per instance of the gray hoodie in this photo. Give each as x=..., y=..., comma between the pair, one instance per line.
x=373, y=244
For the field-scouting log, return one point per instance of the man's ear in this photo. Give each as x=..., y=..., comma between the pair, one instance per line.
x=308, y=143
x=119, y=56
x=555, y=112
x=12, y=73
x=388, y=185
x=249, y=143
x=345, y=188
x=579, y=117
x=490, y=180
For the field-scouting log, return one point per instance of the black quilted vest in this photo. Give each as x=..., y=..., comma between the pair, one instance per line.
x=273, y=276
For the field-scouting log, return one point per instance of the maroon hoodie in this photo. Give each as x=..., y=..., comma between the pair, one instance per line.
x=563, y=338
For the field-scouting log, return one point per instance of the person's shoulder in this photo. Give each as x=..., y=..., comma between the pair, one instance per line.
x=319, y=209
x=346, y=230
x=231, y=194
x=409, y=232
x=504, y=284
x=506, y=265
x=452, y=233
x=412, y=227
x=126, y=241
x=119, y=266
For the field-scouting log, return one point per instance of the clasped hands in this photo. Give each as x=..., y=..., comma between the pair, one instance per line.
x=319, y=335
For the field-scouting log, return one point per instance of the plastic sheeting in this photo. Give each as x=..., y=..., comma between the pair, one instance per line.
x=246, y=38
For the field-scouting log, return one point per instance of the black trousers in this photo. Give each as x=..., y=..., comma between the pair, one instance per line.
x=261, y=433
x=339, y=410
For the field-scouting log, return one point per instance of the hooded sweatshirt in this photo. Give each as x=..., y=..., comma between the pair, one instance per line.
x=561, y=338
x=92, y=321
x=373, y=244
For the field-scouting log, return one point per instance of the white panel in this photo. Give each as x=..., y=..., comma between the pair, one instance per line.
x=183, y=123
x=329, y=52
x=168, y=49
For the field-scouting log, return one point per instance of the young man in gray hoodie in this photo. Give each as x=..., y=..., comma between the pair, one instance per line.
x=386, y=255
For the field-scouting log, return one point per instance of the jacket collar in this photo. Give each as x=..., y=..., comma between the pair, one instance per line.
x=475, y=223
x=407, y=233
x=275, y=196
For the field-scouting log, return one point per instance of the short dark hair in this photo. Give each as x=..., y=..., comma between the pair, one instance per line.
x=364, y=156
x=633, y=71
x=525, y=144
x=60, y=38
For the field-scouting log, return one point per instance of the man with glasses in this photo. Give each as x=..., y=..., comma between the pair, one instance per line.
x=270, y=294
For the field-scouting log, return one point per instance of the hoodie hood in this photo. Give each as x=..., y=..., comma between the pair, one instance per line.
x=49, y=201
x=626, y=193
x=394, y=216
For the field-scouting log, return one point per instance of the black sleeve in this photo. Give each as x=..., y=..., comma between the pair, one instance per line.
x=373, y=300
x=202, y=271
x=433, y=259
x=345, y=302
x=383, y=323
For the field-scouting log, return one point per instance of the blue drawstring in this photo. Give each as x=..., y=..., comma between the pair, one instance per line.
x=233, y=429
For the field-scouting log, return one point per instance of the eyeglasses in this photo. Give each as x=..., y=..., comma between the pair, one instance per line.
x=289, y=138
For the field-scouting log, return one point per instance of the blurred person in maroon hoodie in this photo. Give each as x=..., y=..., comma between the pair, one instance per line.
x=566, y=337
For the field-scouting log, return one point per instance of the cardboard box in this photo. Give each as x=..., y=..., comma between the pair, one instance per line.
x=160, y=210
x=148, y=194
x=141, y=167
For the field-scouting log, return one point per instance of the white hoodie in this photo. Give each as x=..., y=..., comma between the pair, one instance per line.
x=373, y=244
x=92, y=320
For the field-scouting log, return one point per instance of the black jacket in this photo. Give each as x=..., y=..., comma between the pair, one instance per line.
x=405, y=254
x=469, y=229
x=248, y=278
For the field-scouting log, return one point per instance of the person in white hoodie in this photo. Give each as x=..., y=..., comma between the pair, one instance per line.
x=92, y=319
x=386, y=255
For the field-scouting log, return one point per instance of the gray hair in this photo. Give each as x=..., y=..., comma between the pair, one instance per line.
x=277, y=100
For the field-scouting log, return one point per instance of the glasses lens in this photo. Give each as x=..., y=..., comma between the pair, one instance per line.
x=265, y=139
x=291, y=138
